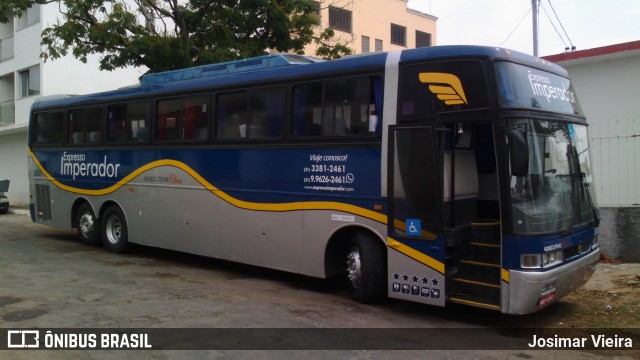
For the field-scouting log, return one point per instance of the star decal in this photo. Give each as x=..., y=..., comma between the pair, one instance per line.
x=396, y=276
x=405, y=277
x=435, y=282
x=414, y=278
x=425, y=281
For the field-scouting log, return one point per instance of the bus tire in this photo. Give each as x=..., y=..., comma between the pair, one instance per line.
x=88, y=225
x=114, y=230
x=366, y=270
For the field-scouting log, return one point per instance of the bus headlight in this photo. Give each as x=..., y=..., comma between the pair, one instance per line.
x=551, y=258
x=530, y=261
x=537, y=261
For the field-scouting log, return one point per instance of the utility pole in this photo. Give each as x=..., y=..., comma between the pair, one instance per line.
x=534, y=11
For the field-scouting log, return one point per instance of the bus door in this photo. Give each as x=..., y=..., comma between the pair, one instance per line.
x=415, y=241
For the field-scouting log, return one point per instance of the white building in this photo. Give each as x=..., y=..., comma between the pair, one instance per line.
x=25, y=76
x=607, y=80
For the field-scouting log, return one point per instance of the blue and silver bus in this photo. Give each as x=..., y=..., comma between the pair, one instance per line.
x=446, y=174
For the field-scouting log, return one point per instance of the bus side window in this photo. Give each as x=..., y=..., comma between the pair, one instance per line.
x=49, y=128
x=196, y=119
x=84, y=126
x=168, y=120
x=232, y=115
x=266, y=109
x=307, y=110
x=128, y=122
x=333, y=108
x=116, y=123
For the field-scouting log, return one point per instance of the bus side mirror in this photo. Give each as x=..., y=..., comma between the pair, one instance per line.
x=518, y=152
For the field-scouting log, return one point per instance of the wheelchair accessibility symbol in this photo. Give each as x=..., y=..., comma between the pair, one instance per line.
x=414, y=227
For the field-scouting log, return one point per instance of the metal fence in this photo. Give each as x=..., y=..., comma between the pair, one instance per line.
x=615, y=151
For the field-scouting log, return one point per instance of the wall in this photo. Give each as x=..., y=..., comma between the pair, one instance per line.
x=13, y=166
x=606, y=90
x=619, y=233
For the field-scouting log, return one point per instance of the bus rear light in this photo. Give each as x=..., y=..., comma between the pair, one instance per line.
x=378, y=207
x=530, y=261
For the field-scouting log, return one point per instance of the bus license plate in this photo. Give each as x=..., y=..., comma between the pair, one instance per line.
x=547, y=298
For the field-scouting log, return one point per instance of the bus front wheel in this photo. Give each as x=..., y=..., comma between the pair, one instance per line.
x=366, y=270
x=88, y=225
x=114, y=230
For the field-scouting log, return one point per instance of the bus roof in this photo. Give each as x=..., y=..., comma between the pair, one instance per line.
x=187, y=80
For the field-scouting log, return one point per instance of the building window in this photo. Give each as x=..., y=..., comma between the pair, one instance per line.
x=398, y=35
x=6, y=47
x=423, y=39
x=378, y=45
x=29, y=17
x=365, y=44
x=318, y=7
x=340, y=19
x=29, y=81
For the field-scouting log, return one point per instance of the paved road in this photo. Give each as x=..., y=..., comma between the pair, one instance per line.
x=49, y=280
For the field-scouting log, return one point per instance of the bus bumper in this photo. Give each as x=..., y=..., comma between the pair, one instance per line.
x=531, y=291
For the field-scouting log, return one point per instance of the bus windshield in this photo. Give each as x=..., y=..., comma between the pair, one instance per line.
x=558, y=192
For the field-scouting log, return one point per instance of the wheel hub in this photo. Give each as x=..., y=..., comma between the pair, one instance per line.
x=114, y=230
x=354, y=267
x=86, y=225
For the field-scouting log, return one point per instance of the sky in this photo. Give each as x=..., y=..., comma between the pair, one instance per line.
x=588, y=23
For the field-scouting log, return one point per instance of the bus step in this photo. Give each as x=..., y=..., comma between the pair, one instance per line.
x=475, y=301
x=481, y=254
x=481, y=270
x=477, y=281
x=478, y=263
x=486, y=231
x=473, y=290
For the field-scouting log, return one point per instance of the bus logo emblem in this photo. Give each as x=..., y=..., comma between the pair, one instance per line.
x=447, y=87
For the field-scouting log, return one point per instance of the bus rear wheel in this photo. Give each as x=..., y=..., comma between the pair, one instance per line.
x=114, y=230
x=88, y=225
x=366, y=270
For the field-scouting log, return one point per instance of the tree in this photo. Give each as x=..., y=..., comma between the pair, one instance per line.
x=328, y=46
x=170, y=34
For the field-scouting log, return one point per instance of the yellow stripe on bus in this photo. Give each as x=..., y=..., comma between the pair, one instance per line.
x=505, y=275
x=280, y=207
x=416, y=255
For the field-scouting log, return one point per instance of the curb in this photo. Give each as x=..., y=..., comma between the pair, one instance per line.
x=19, y=211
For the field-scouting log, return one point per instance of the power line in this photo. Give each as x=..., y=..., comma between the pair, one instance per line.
x=554, y=28
x=517, y=26
x=562, y=26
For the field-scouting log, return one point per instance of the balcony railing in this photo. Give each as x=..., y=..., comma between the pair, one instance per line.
x=7, y=113
x=6, y=48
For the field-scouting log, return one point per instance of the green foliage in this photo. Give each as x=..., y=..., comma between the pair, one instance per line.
x=181, y=34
